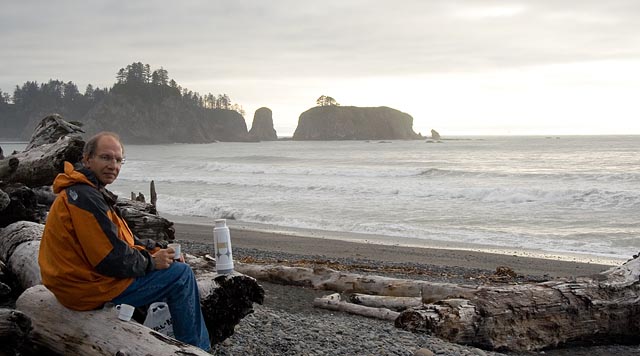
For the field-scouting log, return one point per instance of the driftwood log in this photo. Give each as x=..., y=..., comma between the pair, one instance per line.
x=5, y=200
x=19, y=244
x=144, y=221
x=383, y=301
x=23, y=174
x=25, y=204
x=62, y=331
x=600, y=310
x=225, y=298
x=323, y=278
x=520, y=317
x=8, y=166
x=5, y=289
x=51, y=129
x=15, y=328
x=335, y=302
x=41, y=164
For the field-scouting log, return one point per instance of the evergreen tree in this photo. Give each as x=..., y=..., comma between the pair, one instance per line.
x=324, y=100
x=99, y=94
x=121, y=77
x=223, y=102
x=70, y=92
x=146, y=74
x=88, y=92
x=5, y=98
x=160, y=77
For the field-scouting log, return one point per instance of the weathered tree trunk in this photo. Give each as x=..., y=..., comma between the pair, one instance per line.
x=541, y=315
x=154, y=195
x=23, y=205
x=15, y=328
x=32, y=204
x=5, y=289
x=5, y=200
x=53, y=142
x=387, y=302
x=40, y=165
x=143, y=218
x=146, y=225
x=226, y=300
x=329, y=279
x=51, y=129
x=8, y=166
x=19, y=244
x=508, y=317
x=99, y=332
x=335, y=302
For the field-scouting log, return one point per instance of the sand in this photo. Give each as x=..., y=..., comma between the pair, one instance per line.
x=328, y=246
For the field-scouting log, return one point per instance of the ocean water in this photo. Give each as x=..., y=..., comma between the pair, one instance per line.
x=556, y=195
x=559, y=195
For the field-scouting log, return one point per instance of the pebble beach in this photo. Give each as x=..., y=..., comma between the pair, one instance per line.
x=288, y=324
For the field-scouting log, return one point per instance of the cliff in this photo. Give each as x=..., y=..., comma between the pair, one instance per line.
x=141, y=107
x=262, y=126
x=170, y=121
x=354, y=123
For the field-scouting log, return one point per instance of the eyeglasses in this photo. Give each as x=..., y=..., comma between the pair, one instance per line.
x=108, y=159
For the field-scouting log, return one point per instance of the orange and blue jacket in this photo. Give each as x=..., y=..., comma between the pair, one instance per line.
x=88, y=255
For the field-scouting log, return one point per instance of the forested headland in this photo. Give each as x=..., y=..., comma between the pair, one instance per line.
x=143, y=106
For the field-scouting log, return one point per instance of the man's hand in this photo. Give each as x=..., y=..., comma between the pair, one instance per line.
x=181, y=259
x=163, y=258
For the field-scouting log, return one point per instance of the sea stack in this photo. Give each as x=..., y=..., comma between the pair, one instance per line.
x=354, y=123
x=262, y=126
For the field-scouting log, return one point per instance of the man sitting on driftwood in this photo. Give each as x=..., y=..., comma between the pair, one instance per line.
x=89, y=256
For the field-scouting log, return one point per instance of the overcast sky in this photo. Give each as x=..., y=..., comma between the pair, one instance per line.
x=546, y=67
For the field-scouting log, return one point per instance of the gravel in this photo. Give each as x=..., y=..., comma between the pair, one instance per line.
x=288, y=324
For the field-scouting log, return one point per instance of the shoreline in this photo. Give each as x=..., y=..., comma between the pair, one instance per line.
x=328, y=245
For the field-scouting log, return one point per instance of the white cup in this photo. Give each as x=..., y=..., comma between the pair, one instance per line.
x=176, y=248
x=125, y=311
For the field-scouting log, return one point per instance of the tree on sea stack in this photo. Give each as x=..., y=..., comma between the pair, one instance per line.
x=324, y=100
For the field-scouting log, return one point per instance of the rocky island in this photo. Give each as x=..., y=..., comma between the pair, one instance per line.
x=354, y=123
x=262, y=126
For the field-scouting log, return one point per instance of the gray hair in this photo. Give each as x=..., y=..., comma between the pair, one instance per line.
x=91, y=146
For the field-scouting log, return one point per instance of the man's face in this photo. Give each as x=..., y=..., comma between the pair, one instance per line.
x=106, y=161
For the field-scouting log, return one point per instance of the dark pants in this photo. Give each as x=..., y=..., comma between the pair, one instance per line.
x=177, y=287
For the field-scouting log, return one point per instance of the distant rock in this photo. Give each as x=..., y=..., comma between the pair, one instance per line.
x=354, y=123
x=262, y=126
x=435, y=135
x=170, y=121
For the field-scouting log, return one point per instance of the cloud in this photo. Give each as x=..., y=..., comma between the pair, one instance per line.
x=352, y=38
x=308, y=47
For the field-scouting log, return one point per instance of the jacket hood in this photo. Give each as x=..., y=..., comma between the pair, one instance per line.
x=72, y=176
